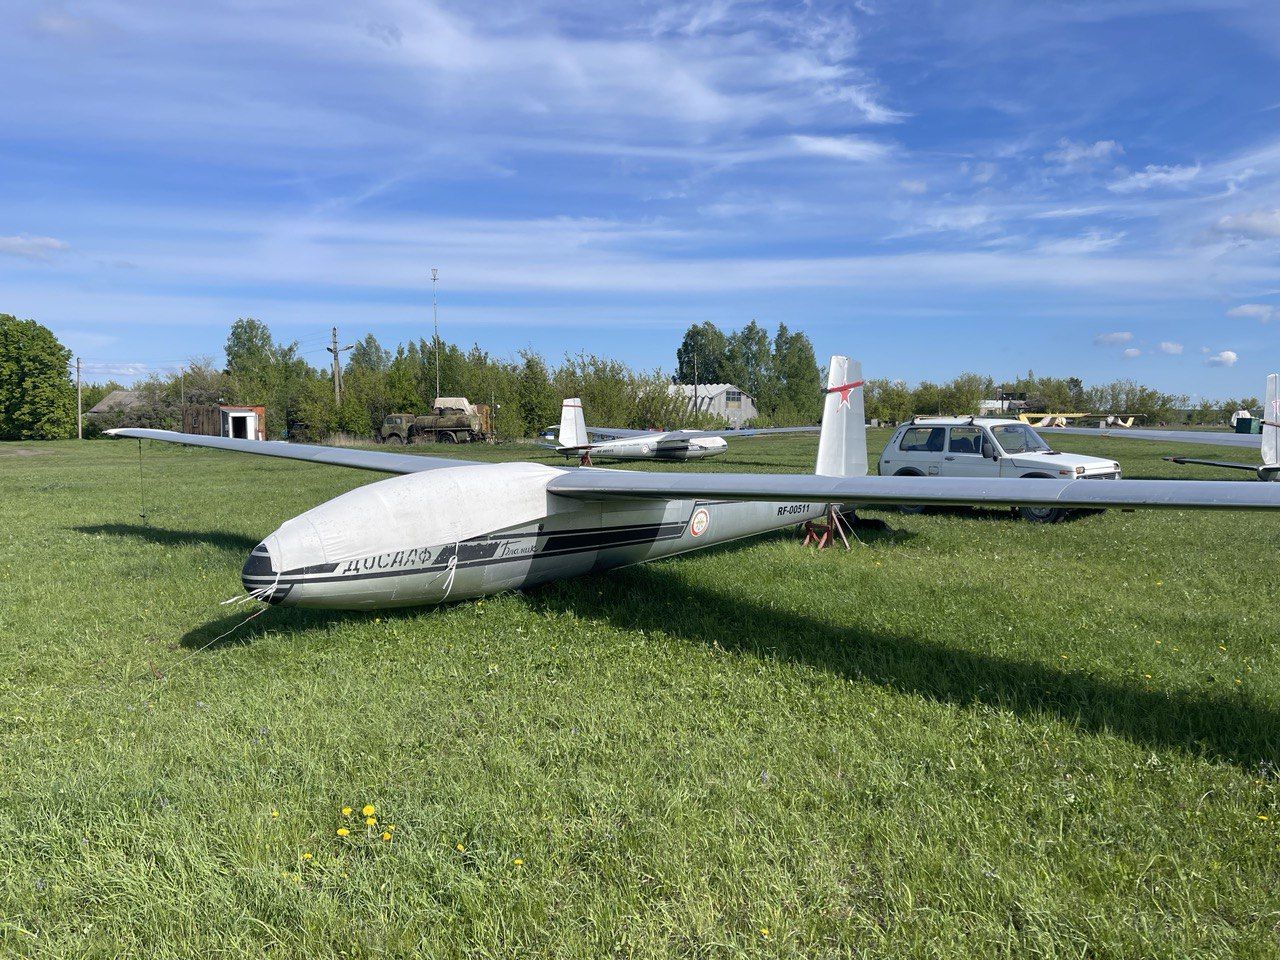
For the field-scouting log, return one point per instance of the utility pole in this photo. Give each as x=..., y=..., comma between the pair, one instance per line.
x=337, y=365
x=79, y=404
x=695, y=381
x=337, y=370
x=435, y=323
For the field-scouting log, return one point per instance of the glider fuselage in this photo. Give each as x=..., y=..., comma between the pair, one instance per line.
x=471, y=531
x=654, y=448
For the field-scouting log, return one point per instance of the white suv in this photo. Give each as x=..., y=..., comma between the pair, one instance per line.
x=986, y=447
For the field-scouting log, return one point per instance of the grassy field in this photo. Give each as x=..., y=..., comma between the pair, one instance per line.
x=971, y=737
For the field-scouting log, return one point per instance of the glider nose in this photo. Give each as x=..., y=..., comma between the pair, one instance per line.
x=261, y=572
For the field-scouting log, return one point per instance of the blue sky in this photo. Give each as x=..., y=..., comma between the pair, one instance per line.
x=1087, y=188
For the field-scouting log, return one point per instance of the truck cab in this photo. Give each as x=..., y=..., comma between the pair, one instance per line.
x=986, y=447
x=396, y=428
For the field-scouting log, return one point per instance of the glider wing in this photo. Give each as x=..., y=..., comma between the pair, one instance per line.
x=334, y=456
x=589, y=484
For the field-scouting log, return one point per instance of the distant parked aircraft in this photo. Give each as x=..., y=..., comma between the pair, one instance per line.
x=575, y=439
x=450, y=529
x=1267, y=442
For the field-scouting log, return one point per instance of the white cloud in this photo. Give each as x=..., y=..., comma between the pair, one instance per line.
x=842, y=148
x=1113, y=339
x=913, y=186
x=1155, y=176
x=983, y=172
x=1170, y=348
x=1256, y=224
x=32, y=248
x=1262, y=312
x=1072, y=154
x=1224, y=358
x=1090, y=242
x=1131, y=353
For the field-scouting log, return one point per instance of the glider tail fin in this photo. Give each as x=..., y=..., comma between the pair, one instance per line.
x=573, y=427
x=1271, y=423
x=842, y=443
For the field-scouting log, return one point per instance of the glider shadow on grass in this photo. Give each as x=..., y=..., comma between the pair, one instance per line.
x=653, y=598
x=222, y=539
x=1231, y=728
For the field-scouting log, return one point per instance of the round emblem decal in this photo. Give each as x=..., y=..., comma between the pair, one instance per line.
x=644, y=448
x=701, y=520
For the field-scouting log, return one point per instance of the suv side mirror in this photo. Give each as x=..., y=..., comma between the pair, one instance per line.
x=989, y=450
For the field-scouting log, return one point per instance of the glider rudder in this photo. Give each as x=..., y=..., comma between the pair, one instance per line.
x=842, y=442
x=573, y=426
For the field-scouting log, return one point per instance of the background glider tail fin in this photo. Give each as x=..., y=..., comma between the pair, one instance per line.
x=842, y=443
x=573, y=427
x=1271, y=422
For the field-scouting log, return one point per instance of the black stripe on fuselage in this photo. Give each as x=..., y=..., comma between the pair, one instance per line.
x=482, y=551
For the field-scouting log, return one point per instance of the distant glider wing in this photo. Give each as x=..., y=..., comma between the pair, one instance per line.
x=588, y=484
x=764, y=431
x=334, y=456
x=1209, y=437
x=618, y=433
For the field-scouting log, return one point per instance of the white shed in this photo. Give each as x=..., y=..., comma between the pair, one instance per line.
x=723, y=400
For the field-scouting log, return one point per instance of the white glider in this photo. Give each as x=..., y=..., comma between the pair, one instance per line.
x=575, y=439
x=449, y=529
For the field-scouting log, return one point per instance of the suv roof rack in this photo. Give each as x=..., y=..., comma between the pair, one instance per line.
x=925, y=418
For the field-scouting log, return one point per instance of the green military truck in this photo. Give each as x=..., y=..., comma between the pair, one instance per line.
x=451, y=420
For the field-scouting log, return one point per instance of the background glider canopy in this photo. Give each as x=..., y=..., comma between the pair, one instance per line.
x=1208, y=437
x=872, y=491
x=337, y=456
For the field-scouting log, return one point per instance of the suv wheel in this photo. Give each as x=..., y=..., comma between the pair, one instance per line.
x=1041, y=514
x=910, y=509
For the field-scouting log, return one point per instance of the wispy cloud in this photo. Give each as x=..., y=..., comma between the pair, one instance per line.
x=1154, y=176
x=1223, y=358
x=32, y=248
x=1262, y=312
x=1072, y=154
x=1255, y=224
x=1170, y=348
x=855, y=149
x=1113, y=339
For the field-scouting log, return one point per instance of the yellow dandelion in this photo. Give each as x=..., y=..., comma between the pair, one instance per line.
x=370, y=821
x=306, y=856
x=764, y=932
x=275, y=814
x=518, y=862
x=343, y=831
x=385, y=836
x=346, y=811
x=368, y=810
x=1147, y=675
x=460, y=847
x=1263, y=816
x=391, y=826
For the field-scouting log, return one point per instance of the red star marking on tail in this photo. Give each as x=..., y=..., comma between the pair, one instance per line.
x=844, y=390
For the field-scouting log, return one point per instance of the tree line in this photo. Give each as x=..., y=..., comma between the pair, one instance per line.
x=779, y=371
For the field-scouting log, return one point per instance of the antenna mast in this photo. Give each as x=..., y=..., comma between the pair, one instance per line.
x=435, y=323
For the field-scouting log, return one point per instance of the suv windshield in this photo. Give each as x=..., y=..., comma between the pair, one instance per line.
x=1019, y=438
